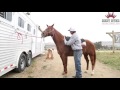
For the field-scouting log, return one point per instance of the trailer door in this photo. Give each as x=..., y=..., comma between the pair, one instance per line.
x=34, y=43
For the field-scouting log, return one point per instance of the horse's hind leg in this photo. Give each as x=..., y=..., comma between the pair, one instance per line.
x=93, y=63
x=87, y=61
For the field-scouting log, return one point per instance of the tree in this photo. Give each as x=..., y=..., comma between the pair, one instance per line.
x=98, y=45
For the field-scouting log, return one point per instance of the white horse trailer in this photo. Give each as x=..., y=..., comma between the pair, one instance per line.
x=20, y=41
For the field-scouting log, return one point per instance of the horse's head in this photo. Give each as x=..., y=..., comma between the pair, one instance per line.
x=49, y=31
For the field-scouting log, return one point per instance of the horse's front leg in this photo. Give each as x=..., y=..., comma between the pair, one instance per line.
x=64, y=61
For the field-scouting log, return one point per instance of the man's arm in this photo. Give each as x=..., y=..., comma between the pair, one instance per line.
x=70, y=42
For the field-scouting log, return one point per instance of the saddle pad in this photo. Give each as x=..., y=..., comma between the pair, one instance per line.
x=67, y=38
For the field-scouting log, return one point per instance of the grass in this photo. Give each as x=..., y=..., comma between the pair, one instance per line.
x=109, y=58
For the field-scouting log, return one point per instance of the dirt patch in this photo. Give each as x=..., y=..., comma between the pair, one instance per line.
x=53, y=69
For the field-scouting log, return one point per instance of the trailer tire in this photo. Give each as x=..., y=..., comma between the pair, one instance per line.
x=21, y=63
x=29, y=59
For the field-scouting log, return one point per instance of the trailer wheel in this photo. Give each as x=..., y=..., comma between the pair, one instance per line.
x=29, y=59
x=22, y=63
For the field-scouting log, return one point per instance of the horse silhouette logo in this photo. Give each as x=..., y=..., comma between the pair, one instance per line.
x=111, y=15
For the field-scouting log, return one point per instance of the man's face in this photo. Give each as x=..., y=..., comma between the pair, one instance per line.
x=71, y=32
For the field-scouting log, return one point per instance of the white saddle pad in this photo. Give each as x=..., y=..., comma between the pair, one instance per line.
x=84, y=43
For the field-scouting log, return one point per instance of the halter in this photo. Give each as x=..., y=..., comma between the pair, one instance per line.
x=53, y=34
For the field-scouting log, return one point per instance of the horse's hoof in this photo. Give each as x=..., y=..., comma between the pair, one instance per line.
x=64, y=73
x=92, y=73
x=85, y=71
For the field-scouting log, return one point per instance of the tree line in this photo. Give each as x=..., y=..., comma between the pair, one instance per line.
x=98, y=46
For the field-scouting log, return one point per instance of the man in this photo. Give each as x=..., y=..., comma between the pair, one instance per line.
x=75, y=44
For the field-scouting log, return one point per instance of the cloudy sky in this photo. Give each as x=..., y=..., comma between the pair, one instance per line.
x=88, y=24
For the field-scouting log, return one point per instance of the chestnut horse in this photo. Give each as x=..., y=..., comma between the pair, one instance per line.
x=64, y=51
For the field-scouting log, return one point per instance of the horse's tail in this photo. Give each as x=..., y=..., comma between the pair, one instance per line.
x=93, y=48
x=94, y=56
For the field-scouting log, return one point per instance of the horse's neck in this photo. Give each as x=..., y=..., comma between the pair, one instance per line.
x=58, y=38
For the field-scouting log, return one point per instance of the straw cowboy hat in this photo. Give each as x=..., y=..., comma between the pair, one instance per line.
x=71, y=29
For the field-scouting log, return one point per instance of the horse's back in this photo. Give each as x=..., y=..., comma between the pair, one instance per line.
x=67, y=38
x=89, y=43
x=90, y=47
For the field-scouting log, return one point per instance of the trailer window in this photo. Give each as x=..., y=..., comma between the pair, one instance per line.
x=20, y=22
x=6, y=15
x=28, y=27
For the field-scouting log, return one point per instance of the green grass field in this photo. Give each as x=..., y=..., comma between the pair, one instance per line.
x=109, y=58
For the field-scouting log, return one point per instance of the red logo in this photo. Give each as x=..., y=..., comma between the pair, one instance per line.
x=110, y=15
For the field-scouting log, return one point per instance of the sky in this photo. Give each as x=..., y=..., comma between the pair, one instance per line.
x=87, y=24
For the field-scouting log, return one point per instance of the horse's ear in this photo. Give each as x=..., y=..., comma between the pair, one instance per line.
x=47, y=25
x=53, y=25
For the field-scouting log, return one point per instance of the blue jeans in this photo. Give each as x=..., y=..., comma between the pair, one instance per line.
x=77, y=59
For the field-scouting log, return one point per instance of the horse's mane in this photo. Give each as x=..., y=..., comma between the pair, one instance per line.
x=67, y=37
x=58, y=33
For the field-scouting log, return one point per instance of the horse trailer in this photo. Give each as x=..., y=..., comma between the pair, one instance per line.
x=20, y=41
